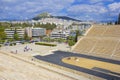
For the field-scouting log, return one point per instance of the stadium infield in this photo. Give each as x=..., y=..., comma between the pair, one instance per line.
x=91, y=64
x=109, y=74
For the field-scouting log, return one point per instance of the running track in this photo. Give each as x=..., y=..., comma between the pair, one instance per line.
x=59, y=55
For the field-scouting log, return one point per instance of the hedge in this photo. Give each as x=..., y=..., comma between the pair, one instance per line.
x=46, y=44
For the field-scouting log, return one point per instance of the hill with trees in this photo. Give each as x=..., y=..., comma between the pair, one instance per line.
x=47, y=15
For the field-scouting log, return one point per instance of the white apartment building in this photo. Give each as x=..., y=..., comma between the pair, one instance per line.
x=59, y=34
x=10, y=32
x=31, y=32
x=37, y=32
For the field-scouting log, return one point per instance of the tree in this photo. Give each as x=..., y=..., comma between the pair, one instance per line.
x=60, y=40
x=16, y=35
x=116, y=22
x=4, y=24
x=48, y=26
x=26, y=36
x=76, y=36
x=2, y=34
x=119, y=19
x=71, y=38
x=47, y=39
x=71, y=43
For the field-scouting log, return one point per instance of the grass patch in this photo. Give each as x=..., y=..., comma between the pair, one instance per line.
x=45, y=44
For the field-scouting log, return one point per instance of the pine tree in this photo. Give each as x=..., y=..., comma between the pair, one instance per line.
x=119, y=19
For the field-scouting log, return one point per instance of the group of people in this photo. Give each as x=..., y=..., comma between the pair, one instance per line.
x=27, y=49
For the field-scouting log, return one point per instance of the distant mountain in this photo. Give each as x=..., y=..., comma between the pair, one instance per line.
x=67, y=18
x=42, y=15
x=47, y=15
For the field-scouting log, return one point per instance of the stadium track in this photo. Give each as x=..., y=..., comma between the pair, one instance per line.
x=57, y=57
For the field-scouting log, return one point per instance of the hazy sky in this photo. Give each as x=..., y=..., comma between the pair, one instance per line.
x=79, y=9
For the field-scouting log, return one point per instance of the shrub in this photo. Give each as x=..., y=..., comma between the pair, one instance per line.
x=11, y=44
x=2, y=41
x=46, y=44
x=14, y=43
x=71, y=42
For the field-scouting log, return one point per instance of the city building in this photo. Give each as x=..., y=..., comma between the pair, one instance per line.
x=10, y=32
x=59, y=34
x=31, y=32
x=37, y=32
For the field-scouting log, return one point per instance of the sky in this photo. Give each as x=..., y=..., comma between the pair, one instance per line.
x=95, y=10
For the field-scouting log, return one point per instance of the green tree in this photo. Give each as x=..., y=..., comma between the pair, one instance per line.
x=2, y=34
x=16, y=35
x=76, y=36
x=78, y=33
x=119, y=19
x=47, y=39
x=71, y=43
x=5, y=24
x=26, y=37
x=71, y=38
x=48, y=26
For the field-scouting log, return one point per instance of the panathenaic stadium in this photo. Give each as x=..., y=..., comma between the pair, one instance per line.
x=96, y=56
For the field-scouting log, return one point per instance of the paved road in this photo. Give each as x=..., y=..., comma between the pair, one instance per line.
x=58, y=55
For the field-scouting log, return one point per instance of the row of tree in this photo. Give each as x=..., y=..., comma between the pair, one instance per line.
x=16, y=36
x=2, y=33
x=48, y=26
x=118, y=21
x=4, y=25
